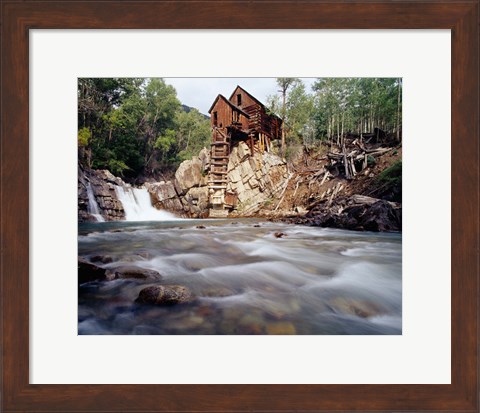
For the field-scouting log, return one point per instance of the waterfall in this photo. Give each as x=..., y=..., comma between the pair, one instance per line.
x=92, y=204
x=138, y=205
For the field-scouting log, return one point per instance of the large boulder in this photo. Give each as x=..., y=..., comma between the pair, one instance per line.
x=107, y=176
x=89, y=272
x=164, y=196
x=204, y=157
x=189, y=175
x=382, y=216
x=358, y=213
x=197, y=201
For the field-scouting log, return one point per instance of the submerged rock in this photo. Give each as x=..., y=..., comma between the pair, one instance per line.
x=104, y=259
x=135, y=257
x=281, y=328
x=218, y=292
x=251, y=324
x=188, y=323
x=359, y=308
x=132, y=272
x=165, y=295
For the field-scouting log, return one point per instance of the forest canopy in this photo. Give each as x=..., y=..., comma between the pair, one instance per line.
x=337, y=106
x=135, y=126
x=138, y=127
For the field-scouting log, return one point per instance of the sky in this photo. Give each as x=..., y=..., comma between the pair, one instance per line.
x=201, y=92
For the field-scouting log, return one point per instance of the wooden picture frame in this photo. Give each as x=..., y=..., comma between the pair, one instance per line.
x=18, y=17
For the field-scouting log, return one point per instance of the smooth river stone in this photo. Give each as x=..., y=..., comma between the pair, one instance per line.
x=275, y=310
x=359, y=308
x=251, y=324
x=165, y=295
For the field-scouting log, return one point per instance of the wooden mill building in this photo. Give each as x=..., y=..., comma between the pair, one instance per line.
x=242, y=117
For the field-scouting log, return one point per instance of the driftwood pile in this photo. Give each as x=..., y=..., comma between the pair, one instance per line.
x=352, y=158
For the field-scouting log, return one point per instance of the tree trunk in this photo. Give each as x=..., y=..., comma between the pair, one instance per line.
x=343, y=120
x=338, y=129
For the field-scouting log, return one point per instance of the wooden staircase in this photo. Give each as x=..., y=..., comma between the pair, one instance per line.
x=217, y=178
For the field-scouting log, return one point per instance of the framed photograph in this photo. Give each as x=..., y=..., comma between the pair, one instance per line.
x=400, y=335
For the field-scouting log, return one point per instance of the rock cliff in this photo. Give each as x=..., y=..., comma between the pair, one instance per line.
x=256, y=179
x=102, y=184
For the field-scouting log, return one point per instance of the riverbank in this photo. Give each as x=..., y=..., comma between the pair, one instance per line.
x=307, y=191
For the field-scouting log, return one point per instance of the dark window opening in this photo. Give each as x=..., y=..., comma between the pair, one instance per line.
x=239, y=100
x=215, y=118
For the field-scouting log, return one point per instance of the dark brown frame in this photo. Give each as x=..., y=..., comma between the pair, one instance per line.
x=462, y=17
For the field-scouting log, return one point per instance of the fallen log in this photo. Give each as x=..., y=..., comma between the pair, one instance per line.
x=324, y=178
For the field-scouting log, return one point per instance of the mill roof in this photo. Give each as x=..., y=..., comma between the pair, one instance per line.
x=230, y=104
x=249, y=94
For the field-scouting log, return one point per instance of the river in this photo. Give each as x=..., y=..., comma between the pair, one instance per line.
x=246, y=279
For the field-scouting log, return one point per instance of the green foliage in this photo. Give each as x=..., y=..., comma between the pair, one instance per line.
x=132, y=123
x=391, y=175
x=356, y=105
x=166, y=141
x=371, y=162
x=297, y=113
x=388, y=184
x=84, y=136
x=136, y=126
x=268, y=202
x=193, y=133
x=117, y=167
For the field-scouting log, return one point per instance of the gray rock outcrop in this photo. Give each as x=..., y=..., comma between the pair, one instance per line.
x=255, y=179
x=189, y=175
x=164, y=196
x=358, y=213
x=102, y=184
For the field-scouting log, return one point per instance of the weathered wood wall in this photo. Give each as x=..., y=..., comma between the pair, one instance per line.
x=226, y=115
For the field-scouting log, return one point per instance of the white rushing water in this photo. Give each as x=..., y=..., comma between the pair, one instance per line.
x=245, y=279
x=92, y=204
x=138, y=205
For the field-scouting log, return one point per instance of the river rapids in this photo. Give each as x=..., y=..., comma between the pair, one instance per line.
x=248, y=277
